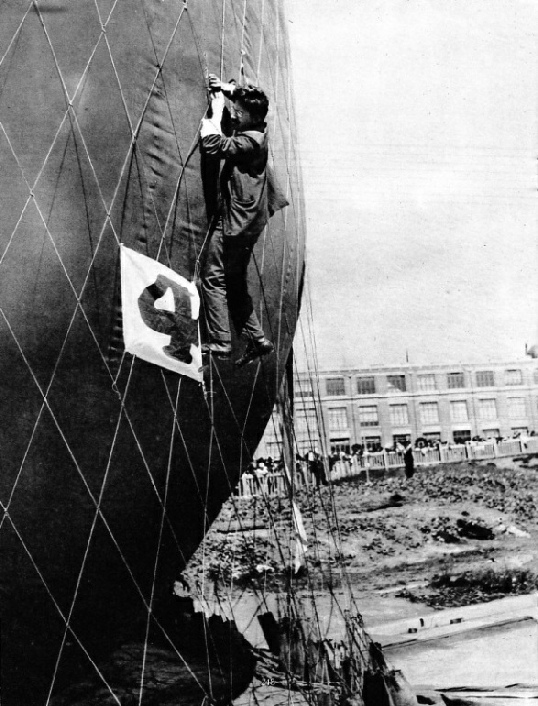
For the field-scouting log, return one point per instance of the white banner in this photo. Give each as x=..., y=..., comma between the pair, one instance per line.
x=160, y=314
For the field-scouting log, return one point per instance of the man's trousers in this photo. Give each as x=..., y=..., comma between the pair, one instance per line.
x=225, y=292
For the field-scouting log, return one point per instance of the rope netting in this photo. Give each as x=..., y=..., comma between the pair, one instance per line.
x=302, y=597
x=267, y=62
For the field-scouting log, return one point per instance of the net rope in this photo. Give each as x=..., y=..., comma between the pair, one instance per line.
x=45, y=402
x=111, y=534
x=78, y=134
x=331, y=506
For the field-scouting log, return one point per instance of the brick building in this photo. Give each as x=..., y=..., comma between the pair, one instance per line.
x=384, y=404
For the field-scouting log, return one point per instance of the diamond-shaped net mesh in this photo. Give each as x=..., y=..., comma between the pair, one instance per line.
x=111, y=469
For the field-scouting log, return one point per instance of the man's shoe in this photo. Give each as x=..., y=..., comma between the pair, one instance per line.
x=254, y=350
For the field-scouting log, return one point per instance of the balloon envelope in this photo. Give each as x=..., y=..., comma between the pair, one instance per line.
x=112, y=468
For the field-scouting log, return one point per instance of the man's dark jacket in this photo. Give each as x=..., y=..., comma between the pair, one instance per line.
x=243, y=180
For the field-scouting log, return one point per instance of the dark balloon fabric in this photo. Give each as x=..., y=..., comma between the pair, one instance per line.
x=113, y=469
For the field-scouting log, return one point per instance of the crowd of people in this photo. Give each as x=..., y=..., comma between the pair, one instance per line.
x=310, y=467
x=314, y=468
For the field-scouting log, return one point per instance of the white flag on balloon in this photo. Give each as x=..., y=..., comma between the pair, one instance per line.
x=160, y=314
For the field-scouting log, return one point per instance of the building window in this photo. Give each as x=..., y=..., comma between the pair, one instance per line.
x=398, y=415
x=300, y=392
x=372, y=443
x=396, y=383
x=460, y=436
x=491, y=433
x=335, y=387
x=368, y=416
x=402, y=439
x=455, y=381
x=517, y=407
x=516, y=431
x=274, y=448
x=338, y=419
x=338, y=445
x=425, y=383
x=485, y=378
x=487, y=409
x=459, y=411
x=429, y=413
x=514, y=377
x=306, y=422
x=432, y=435
x=366, y=386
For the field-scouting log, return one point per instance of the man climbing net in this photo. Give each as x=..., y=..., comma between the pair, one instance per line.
x=242, y=215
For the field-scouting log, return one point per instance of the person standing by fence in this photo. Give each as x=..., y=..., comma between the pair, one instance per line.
x=409, y=460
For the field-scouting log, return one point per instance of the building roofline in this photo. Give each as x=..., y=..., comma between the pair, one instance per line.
x=412, y=367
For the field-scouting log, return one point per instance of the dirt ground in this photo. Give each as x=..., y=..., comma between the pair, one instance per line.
x=451, y=535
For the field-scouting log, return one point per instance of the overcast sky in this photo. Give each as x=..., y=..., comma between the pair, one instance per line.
x=418, y=136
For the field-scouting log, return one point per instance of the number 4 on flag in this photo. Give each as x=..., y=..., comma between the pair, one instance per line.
x=160, y=314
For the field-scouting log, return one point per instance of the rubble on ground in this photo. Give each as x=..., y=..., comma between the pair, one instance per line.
x=470, y=588
x=509, y=491
x=446, y=529
x=467, y=511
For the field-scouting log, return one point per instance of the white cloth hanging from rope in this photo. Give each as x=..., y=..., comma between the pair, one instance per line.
x=301, y=540
x=160, y=314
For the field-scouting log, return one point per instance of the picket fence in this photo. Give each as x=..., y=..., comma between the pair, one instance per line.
x=275, y=484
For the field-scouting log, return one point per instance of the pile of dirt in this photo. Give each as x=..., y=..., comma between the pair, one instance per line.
x=446, y=529
x=384, y=529
x=472, y=587
x=509, y=491
x=236, y=557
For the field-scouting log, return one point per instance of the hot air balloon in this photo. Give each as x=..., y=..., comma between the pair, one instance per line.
x=113, y=468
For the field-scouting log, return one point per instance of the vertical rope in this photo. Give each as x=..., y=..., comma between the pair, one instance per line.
x=242, y=79
x=222, y=39
x=262, y=34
